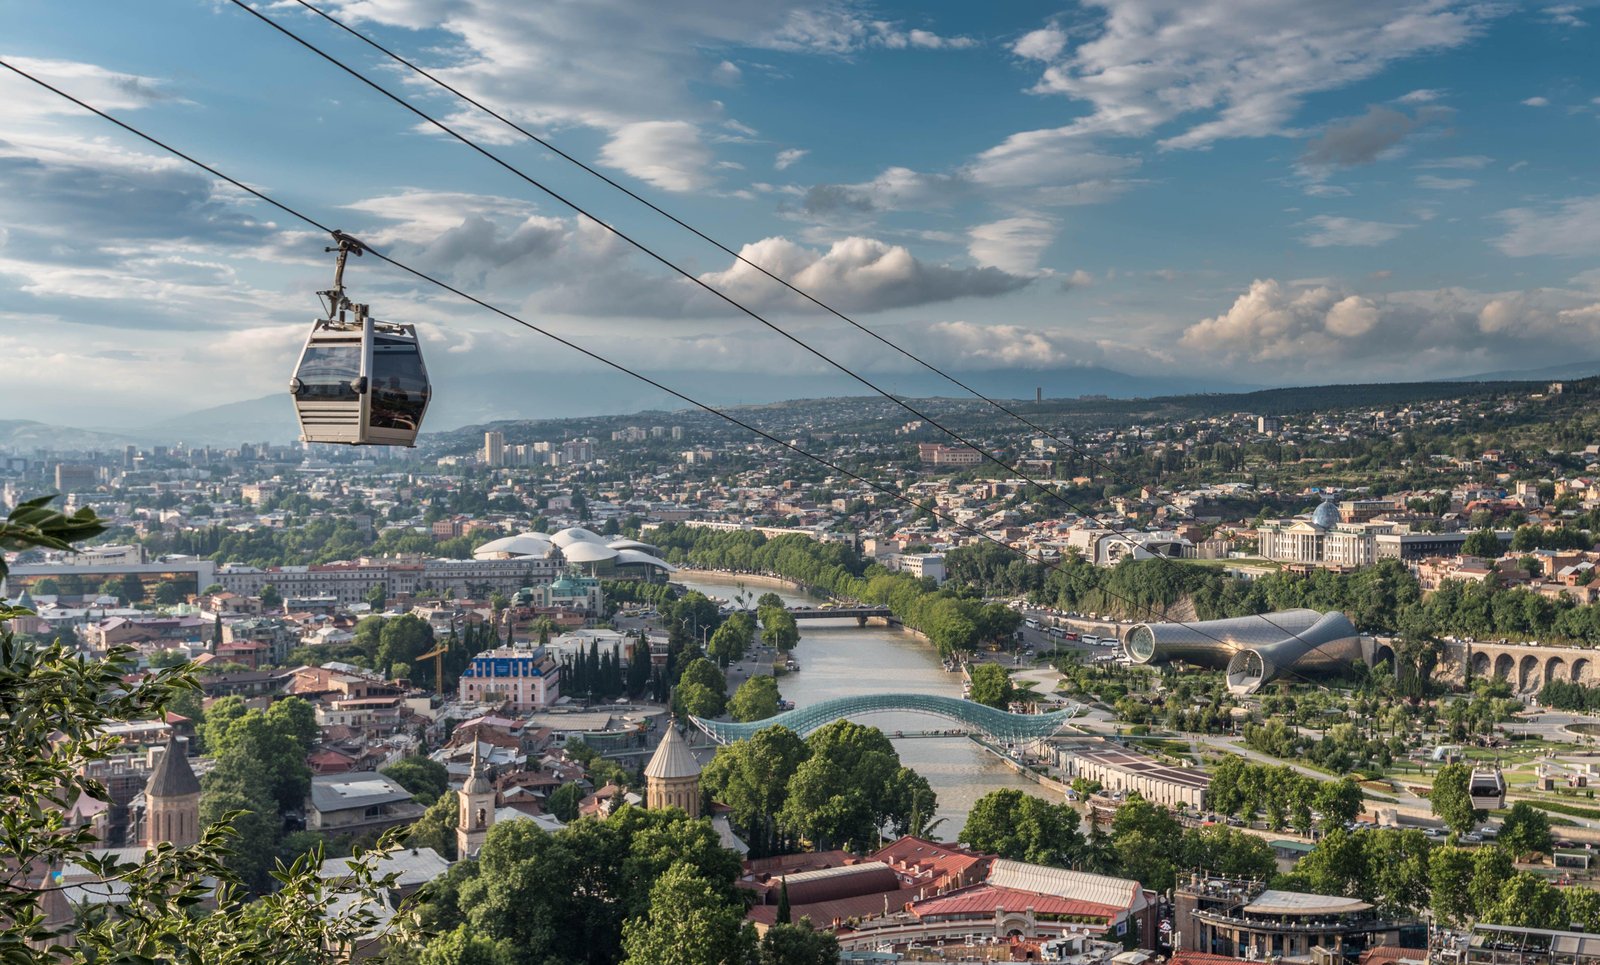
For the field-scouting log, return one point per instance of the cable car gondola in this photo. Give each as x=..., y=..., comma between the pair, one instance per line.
x=360, y=382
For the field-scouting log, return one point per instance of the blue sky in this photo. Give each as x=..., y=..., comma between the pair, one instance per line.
x=1265, y=192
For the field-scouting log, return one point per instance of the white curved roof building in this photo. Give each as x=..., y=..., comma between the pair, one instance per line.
x=523, y=544
x=576, y=534
x=576, y=545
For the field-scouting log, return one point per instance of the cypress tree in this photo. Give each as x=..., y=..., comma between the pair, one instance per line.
x=783, y=902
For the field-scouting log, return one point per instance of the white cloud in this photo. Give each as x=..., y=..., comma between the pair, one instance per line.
x=1045, y=44
x=857, y=273
x=1011, y=244
x=1351, y=317
x=836, y=29
x=667, y=154
x=1314, y=330
x=1243, y=67
x=1565, y=14
x=1569, y=227
x=1424, y=95
x=1536, y=102
x=1435, y=183
x=1331, y=231
x=726, y=74
x=788, y=157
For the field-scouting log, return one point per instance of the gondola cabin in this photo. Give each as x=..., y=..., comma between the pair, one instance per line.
x=1487, y=789
x=360, y=382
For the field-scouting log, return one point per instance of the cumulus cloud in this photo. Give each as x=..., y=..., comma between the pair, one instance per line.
x=1334, y=231
x=1536, y=102
x=1011, y=244
x=862, y=274
x=1237, y=72
x=667, y=154
x=726, y=74
x=1569, y=227
x=1320, y=328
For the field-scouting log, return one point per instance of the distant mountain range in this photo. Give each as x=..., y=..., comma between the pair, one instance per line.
x=1566, y=370
x=500, y=396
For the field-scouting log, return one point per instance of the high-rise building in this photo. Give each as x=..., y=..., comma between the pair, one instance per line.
x=72, y=478
x=494, y=449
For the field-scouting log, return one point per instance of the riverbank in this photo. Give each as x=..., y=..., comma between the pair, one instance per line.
x=749, y=579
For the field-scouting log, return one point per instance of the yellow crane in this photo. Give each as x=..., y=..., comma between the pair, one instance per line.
x=437, y=654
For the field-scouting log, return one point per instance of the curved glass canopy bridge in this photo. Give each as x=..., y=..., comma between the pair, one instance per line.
x=996, y=725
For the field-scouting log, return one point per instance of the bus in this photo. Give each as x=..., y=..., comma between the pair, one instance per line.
x=1031, y=623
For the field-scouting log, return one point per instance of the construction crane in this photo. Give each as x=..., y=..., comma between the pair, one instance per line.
x=437, y=655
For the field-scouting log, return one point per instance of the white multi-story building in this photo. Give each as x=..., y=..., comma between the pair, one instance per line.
x=351, y=582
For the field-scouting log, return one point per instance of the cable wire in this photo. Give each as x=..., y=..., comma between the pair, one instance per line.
x=548, y=145
x=589, y=353
x=1050, y=492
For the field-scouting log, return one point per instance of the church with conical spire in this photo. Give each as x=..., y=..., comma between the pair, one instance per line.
x=672, y=778
x=172, y=799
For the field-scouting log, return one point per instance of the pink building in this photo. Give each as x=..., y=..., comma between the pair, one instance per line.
x=525, y=679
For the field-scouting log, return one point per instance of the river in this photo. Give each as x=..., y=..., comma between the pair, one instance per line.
x=838, y=658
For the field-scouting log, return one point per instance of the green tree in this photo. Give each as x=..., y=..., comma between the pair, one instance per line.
x=756, y=699
x=1449, y=884
x=798, y=944
x=1147, y=839
x=1225, y=851
x=1451, y=798
x=564, y=801
x=462, y=947
x=400, y=642
x=1340, y=801
x=377, y=596
x=1527, y=901
x=730, y=641
x=1526, y=830
x=1491, y=867
x=991, y=685
x=426, y=779
x=688, y=923
x=166, y=593
x=778, y=627
x=1482, y=543
x=55, y=708
x=752, y=777
x=436, y=828
x=702, y=690
x=271, y=599
x=1016, y=825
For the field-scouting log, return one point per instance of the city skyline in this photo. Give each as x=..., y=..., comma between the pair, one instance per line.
x=1270, y=194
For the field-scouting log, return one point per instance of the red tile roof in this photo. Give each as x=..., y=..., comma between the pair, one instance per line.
x=1184, y=956
x=984, y=899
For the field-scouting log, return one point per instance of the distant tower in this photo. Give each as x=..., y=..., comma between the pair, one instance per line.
x=672, y=778
x=172, y=799
x=477, y=808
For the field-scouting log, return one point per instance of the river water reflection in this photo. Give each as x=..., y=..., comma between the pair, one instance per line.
x=839, y=659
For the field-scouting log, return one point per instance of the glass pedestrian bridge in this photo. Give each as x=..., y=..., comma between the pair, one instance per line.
x=997, y=725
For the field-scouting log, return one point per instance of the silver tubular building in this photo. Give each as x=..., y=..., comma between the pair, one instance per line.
x=1255, y=649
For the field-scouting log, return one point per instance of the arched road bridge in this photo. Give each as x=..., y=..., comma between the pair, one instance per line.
x=996, y=725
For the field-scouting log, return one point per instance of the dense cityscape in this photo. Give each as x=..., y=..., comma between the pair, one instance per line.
x=1103, y=482
x=1254, y=709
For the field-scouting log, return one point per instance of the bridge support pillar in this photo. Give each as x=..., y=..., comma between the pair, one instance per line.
x=861, y=621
